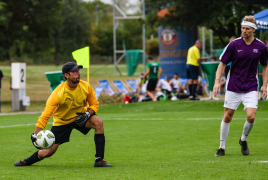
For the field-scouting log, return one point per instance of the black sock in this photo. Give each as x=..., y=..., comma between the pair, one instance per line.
x=33, y=159
x=100, y=144
x=191, y=89
x=194, y=90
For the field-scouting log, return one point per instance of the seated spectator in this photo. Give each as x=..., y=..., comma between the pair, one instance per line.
x=141, y=83
x=199, y=90
x=176, y=82
x=213, y=59
x=164, y=86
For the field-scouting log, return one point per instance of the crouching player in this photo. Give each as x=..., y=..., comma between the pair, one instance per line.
x=67, y=104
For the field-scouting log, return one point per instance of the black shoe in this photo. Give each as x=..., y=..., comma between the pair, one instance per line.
x=101, y=163
x=244, y=147
x=220, y=152
x=20, y=163
x=193, y=99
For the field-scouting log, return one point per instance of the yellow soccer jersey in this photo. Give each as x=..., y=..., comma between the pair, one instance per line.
x=193, y=55
x=64, y=102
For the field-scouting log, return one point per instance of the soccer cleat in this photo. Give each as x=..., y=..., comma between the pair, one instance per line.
x=194, y=99
x=244, y=147
x=101, y=163
x=220, y=152
x=20, y=163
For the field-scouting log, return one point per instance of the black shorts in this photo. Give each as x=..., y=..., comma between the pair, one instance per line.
x=151, y=84
x=62, y=133
x=192, y=71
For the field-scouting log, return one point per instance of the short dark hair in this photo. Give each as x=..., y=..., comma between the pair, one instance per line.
x=214, y=57
x=176, y=74
x=150, y=57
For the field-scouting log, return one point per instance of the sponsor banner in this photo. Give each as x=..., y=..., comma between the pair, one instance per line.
x=132, y=84
x=121, y=88
x=173, y=48
x=98, y=90
x=107, y=88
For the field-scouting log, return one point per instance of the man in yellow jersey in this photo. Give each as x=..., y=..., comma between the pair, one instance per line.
x=68, y=105
x=192, y=67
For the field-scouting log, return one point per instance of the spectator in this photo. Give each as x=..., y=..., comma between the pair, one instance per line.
x=213, y=59
x=1, y=77
x=141, y=82
x=176, y=82
x=192, y=67
x=152, y=70
x=164, y=86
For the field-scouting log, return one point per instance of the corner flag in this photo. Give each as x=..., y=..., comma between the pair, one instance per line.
x=82, y=58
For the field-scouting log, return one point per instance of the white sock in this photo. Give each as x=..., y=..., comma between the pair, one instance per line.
x=246, y=130
x=224, y=134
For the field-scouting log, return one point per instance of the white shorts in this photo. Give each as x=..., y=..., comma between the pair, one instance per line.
x=233, y=100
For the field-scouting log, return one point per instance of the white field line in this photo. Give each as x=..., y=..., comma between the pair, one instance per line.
x=21, y=125
x=172, y=119
x=18, y=113
x=262, y=161
x=147, y=119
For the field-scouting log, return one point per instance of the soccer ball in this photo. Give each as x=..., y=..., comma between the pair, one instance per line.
x=45, y=139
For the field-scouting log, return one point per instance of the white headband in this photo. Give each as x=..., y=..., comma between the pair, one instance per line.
x=246, y=23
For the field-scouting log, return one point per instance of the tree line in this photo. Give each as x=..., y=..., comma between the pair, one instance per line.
x=55, y=28
x=222, y=16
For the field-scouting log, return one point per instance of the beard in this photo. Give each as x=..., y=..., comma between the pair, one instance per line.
x=76, y=81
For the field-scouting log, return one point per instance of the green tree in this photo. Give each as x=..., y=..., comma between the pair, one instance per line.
x=5, y=17
x=101, y=38
x=27, y=21
x=74, y=31
x=222, y=16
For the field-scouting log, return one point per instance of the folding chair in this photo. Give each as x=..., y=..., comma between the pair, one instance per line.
x=120, y=87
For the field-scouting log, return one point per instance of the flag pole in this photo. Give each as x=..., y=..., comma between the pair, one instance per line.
x=88, y=66
x=88, y=75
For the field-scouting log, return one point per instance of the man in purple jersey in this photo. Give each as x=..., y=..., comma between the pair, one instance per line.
x=245, y=53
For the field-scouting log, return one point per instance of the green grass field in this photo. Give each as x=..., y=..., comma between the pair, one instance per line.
x=151, y=140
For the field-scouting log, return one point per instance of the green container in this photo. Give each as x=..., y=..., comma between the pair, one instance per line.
x=210, y=68
x=55, y=78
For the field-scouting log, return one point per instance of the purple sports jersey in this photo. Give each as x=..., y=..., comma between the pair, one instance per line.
x=243, y=74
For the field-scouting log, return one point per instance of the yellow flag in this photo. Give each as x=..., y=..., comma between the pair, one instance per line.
x=82, y=57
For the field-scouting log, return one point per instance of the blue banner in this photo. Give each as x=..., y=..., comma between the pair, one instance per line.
x=120, y=87
x=173, y=48
x=132, y=84
x=98, y=90
x=107, y=88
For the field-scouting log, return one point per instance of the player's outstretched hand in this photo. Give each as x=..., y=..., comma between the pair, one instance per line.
x=216, y=88
x=264, y=92
x=82, y=119
x=33, y=138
